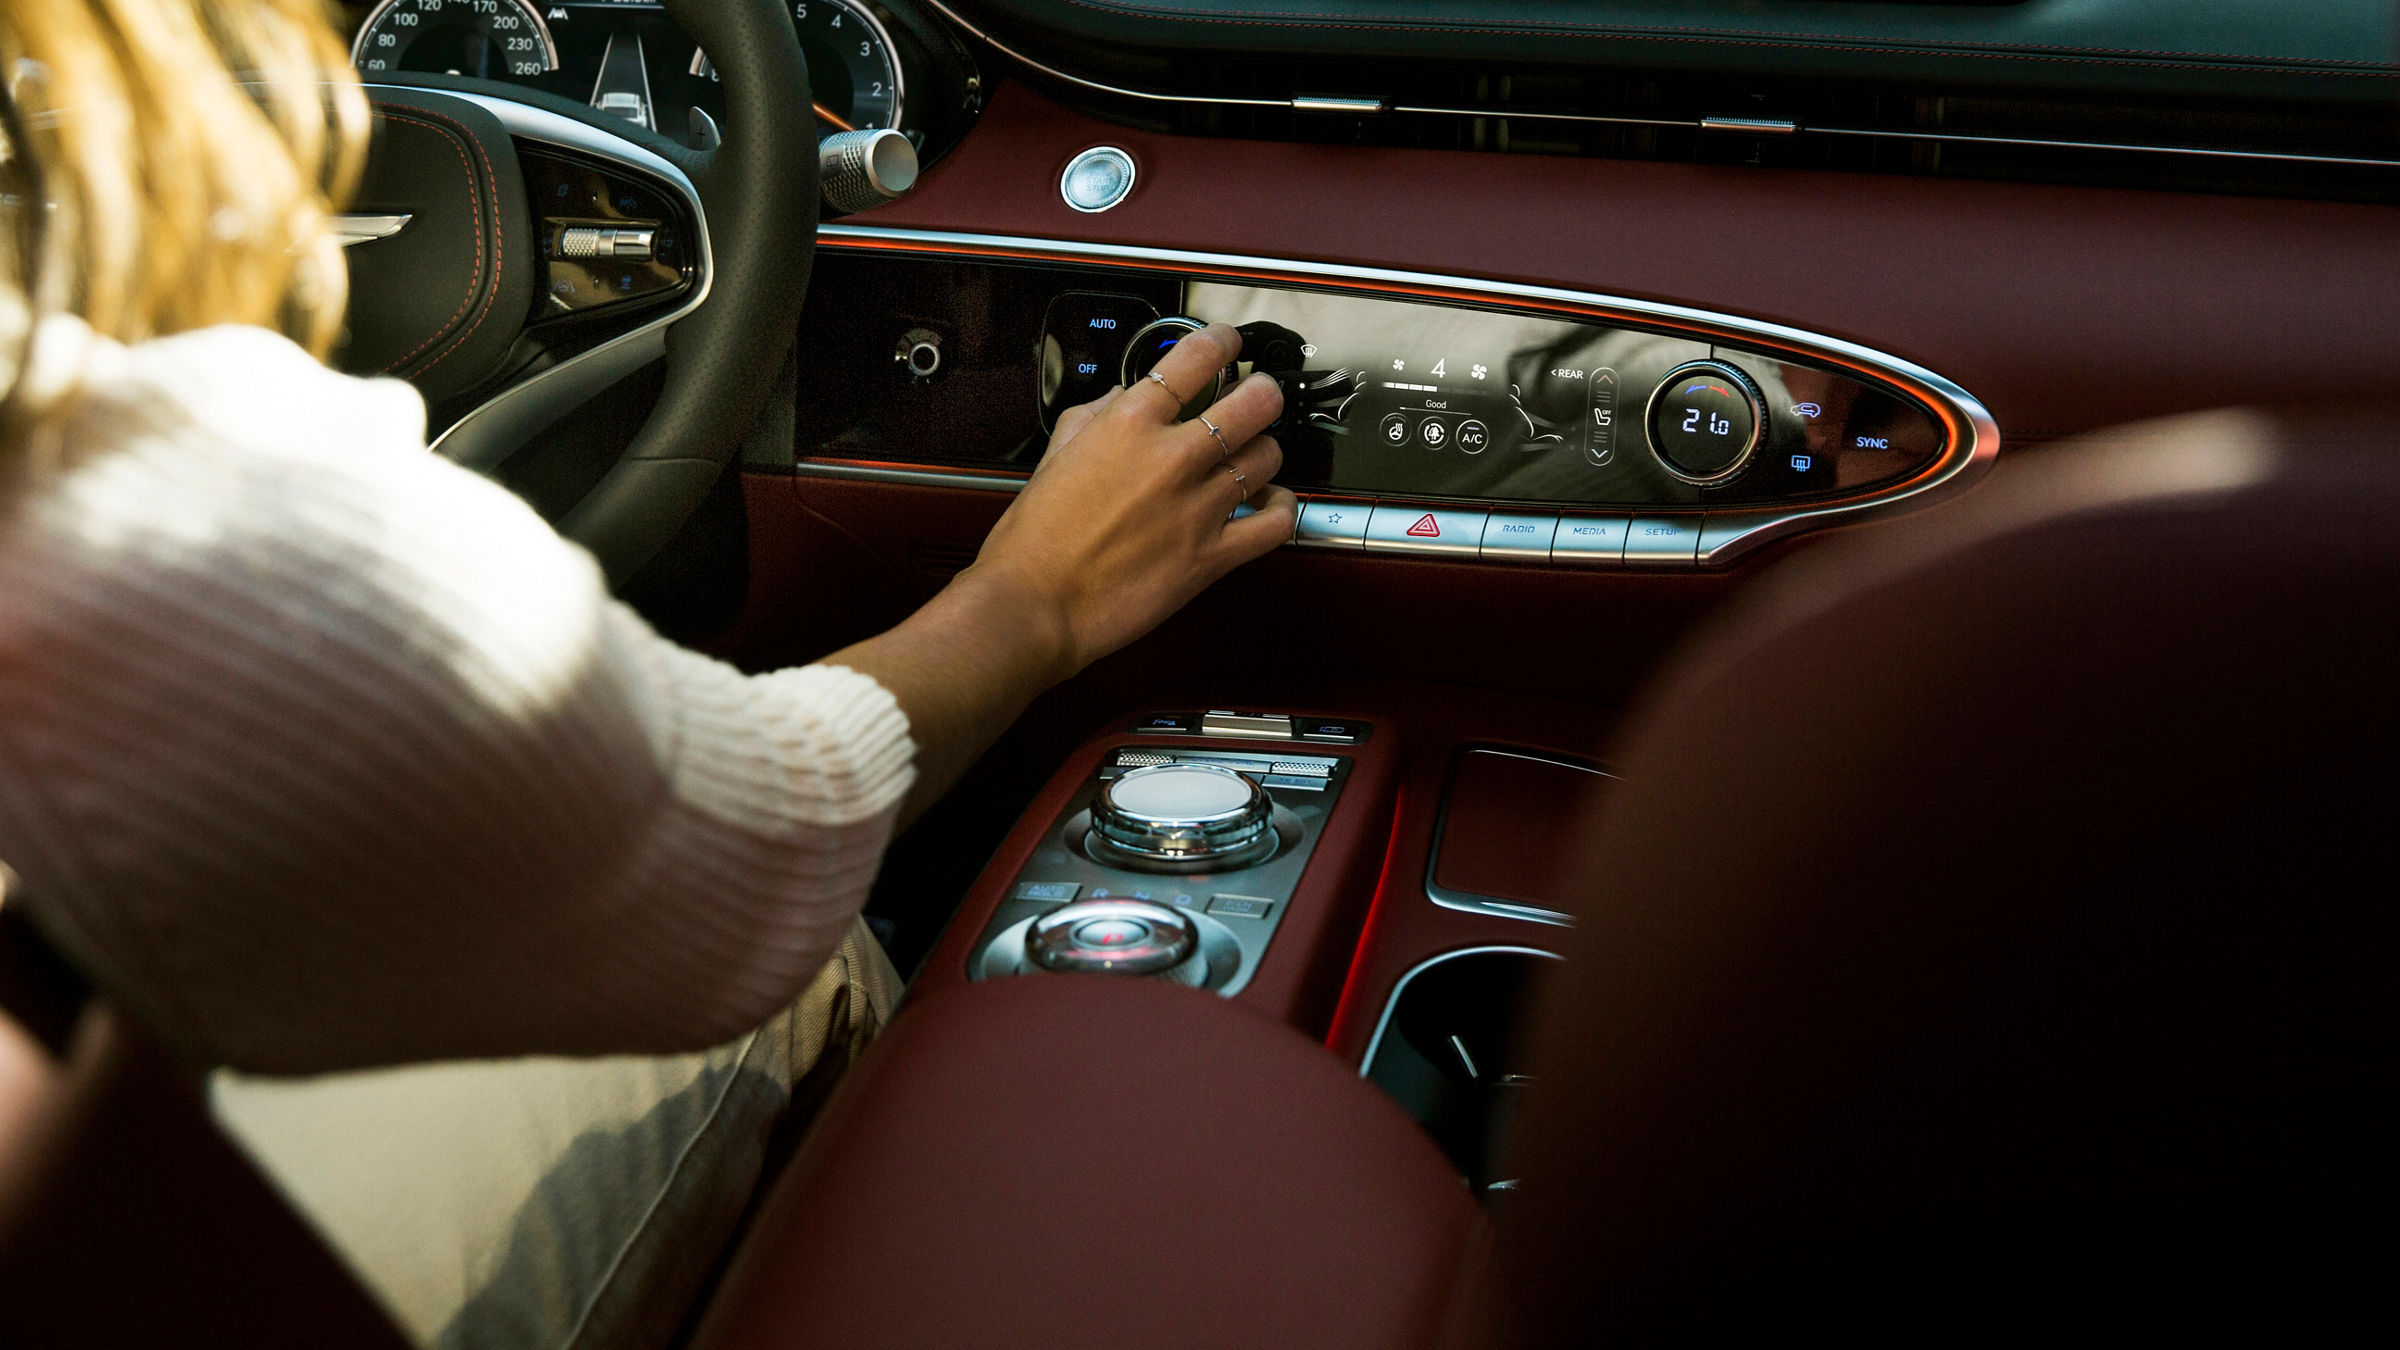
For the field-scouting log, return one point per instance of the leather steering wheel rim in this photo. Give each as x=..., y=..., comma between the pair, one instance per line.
x=759, y=188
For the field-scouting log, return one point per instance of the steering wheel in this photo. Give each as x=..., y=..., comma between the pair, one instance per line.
x=756, y=205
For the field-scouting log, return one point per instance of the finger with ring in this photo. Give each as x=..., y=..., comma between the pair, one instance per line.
x=1224, y=451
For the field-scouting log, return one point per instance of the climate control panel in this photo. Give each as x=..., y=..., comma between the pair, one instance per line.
x=1465, y=419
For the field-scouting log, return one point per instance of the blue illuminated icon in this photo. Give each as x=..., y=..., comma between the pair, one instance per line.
x=1800, y=463
x=1806, y=410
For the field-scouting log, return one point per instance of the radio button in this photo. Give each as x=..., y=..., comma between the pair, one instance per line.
x=1426, y=529
x=1589, y=540
x=1519, y=536
x=1334, y=524
x=1662, y=541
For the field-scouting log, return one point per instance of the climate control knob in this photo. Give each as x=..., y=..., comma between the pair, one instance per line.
x=1706, y=419
x=1150, y=345
x=1182, y=818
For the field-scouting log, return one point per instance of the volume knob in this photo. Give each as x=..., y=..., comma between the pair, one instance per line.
x=1182, y=817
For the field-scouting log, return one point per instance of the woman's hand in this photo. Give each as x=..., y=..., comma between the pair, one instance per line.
x=1126, y=518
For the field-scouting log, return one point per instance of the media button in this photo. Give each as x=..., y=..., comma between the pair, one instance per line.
x=1519, y=536
x=1589, y=539
x=1420, y=529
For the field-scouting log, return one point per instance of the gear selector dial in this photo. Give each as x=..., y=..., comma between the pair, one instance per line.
x=1182, y=817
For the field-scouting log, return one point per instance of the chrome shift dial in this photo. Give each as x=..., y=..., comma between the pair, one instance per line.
x=1180, y=818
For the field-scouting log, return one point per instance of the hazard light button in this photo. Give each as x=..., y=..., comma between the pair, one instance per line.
x=1401, y=527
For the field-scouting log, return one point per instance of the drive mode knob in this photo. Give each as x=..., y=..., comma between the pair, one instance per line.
x=1706, y=418
x=1182, y=817
x=1112, y=937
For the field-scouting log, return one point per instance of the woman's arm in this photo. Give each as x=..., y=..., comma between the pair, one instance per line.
x=1124, y=522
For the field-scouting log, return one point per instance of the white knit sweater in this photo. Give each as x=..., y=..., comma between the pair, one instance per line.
x=327, y=752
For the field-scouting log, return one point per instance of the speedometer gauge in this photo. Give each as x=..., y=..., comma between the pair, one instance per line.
x=489, y=39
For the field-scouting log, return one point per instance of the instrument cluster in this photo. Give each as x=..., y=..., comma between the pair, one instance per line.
x=871, y=65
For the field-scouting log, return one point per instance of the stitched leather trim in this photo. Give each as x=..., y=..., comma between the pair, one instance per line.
x=478, y=281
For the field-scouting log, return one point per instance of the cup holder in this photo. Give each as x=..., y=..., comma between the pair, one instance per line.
x=1448, y=1051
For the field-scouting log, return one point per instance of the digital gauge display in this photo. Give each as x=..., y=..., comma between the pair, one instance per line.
x=627, y=59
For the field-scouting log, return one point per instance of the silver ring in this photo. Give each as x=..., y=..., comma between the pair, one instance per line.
x=1162, y=383
x=1224, y=451
x=1240, y=479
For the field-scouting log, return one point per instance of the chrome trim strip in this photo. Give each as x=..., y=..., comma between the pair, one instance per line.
x=1334, y=103
x=1515, y=114
x=1366, y=1062
x=1467, y=901
x=1005, y=50
x=1711, y=123
x=863, y=473
x=2203, y=152
x=354, y=228
x=1757, y=126
x=1970, y=452
x=487, y=436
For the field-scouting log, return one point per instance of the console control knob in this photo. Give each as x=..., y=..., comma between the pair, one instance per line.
x=1182, y=816
x=1112, y=937
x=1706, y=419
x=1150, y=345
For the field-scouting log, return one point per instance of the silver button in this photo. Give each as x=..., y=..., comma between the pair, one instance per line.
x=1589, y=539
x=1426, y=529
x=1272, y=726
x=1332, y=524
x=1519, y=536
x=1662, y=541
x=1097, y=179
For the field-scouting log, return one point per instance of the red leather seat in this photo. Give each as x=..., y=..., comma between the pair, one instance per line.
x=1072, y=1161
x=1994, y=931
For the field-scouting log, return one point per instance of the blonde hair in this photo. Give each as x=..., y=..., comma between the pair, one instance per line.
x=190, y=153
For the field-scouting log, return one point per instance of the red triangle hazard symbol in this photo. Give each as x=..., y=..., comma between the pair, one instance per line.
x=1425, y=528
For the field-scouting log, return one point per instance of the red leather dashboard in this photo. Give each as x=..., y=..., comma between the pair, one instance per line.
x=2064, y=309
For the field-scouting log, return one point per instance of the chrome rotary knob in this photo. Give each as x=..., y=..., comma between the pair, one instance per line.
x=1182, y=817
x=1111, y=937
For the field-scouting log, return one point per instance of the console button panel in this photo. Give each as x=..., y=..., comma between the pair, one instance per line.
x=1234, y=908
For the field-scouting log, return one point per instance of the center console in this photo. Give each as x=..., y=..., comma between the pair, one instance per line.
x=1231, y=850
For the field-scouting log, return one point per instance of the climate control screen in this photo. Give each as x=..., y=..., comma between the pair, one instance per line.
x=1387, y=396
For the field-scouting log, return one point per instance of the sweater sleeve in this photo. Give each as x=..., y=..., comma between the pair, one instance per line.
x=328, y=753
